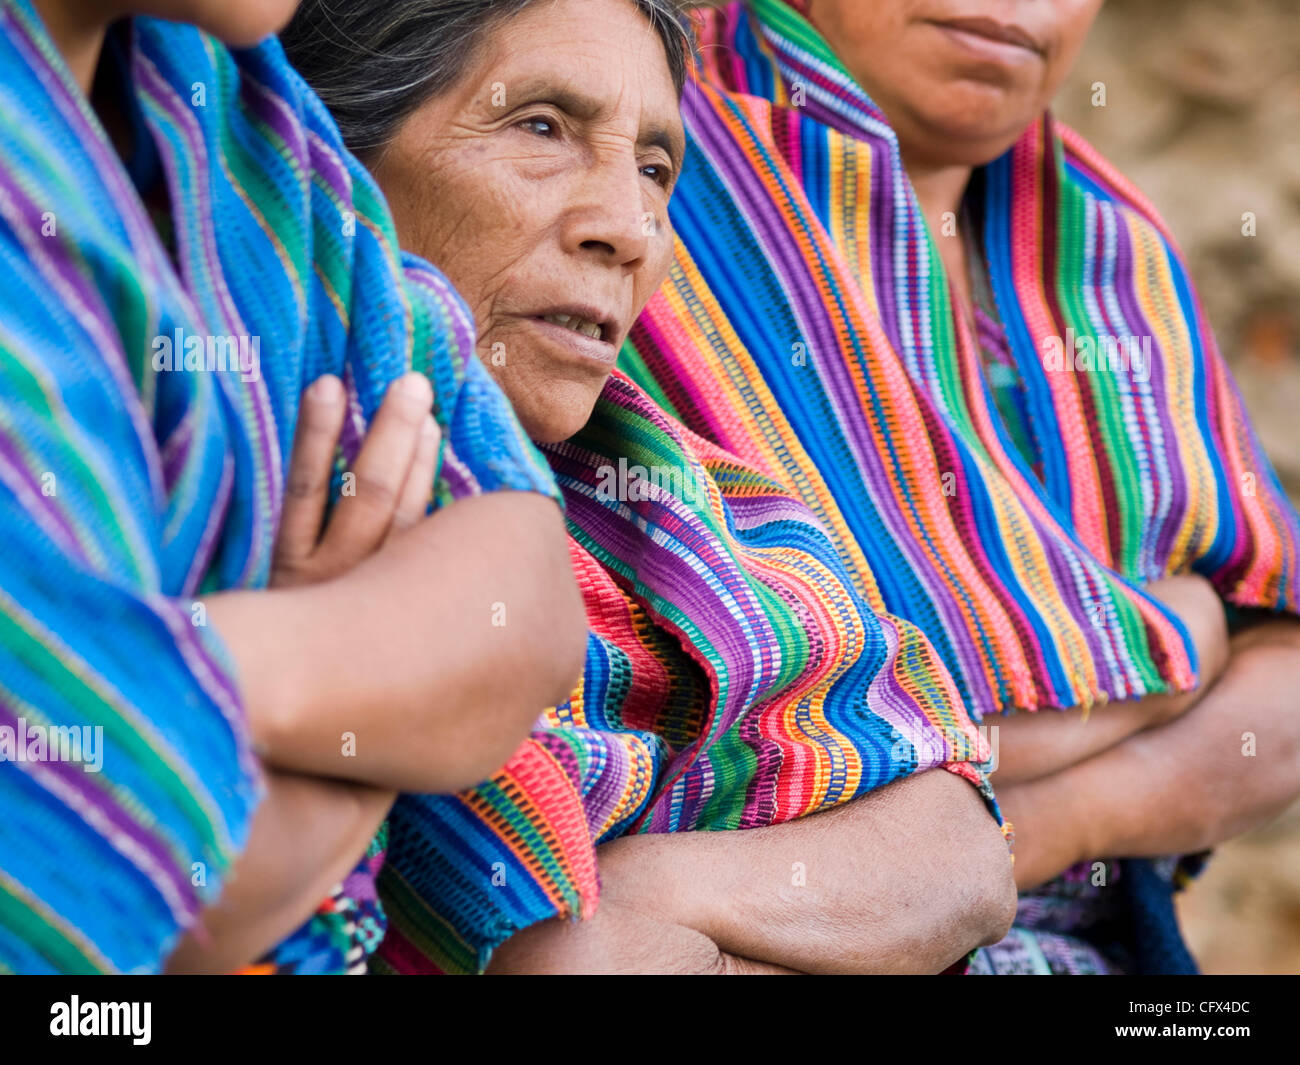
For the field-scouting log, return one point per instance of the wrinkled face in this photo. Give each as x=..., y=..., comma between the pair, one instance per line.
x=540, y=184
x=959, y=80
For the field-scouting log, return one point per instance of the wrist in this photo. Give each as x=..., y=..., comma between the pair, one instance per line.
x=650, y=874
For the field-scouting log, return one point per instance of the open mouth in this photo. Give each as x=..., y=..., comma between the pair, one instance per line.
x=577, y=324
x=584, y=331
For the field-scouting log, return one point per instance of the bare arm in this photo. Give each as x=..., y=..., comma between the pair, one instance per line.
x=1228, y=764
x=400, y=650
x=1031, y=746
x=406, y=653
x=307, y=835
x=906, y=879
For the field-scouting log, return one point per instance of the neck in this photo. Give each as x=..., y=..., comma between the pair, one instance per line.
x=940, y=190
x=77, y=28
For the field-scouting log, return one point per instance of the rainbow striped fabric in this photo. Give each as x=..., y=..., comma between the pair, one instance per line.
x=148, y=395
x=808, y=328
x=735, y=678
x=804, y=351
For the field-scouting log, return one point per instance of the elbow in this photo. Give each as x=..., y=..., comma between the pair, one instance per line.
x=997, y=909
x=989, y=909
x=566, y=651
x=538, y=668
x=551, y=643
x=993, y=909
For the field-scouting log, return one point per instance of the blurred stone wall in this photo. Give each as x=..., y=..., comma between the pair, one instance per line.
x=1202, y=112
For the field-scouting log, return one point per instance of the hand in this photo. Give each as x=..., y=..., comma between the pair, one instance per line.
x=1200, y=608
x=619, y=940
x=394, y=481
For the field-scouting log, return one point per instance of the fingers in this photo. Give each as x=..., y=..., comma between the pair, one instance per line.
x=1195, y=601
x=414, y=503
x=362, y=519
x=320, y=420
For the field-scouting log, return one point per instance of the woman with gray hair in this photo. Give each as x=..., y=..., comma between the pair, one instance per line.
x=735, y=678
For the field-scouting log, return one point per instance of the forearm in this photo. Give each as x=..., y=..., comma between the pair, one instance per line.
x=1230, y=763
x=421, y=668
x=906, y=879
x=619, y=941
x=307, y=835
x=1032, y=746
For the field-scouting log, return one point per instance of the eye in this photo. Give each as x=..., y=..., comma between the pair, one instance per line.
x=658, y=173
x=541, y=127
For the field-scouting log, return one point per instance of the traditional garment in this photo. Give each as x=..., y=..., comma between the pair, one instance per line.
x=808, y=327
x=149, y=389
x=735, y=678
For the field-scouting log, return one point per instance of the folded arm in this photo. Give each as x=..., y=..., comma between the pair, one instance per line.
x=906, y=879
x=307, y=835
x=1032, y=746
x=421, y=668
x=1229, y=763
x=398, y=649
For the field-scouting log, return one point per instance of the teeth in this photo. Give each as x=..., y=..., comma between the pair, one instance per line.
x=578, y=325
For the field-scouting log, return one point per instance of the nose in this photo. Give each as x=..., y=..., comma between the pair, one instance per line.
x=608, y=216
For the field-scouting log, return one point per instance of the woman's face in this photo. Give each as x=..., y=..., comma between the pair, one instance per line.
x=540, y=184
x=959, y=80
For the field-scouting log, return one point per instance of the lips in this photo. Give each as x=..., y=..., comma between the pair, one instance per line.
x=583, y=330
x=577, y=324
x=991, y=30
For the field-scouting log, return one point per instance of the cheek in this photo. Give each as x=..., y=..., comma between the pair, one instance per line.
x=654, y=271
x=475, y=226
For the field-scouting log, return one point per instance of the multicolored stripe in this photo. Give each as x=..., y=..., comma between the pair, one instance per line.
x=735, y=678
x=127, y=490
x=808, y=327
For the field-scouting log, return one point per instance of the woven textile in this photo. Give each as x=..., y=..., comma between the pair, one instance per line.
x=137, y=473
x=735, y=678
x=808, y=328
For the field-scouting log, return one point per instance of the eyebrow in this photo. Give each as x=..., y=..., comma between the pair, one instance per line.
x=587, y=108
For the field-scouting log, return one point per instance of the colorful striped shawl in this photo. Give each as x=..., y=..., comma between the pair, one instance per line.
x=128, y=487
x=808, y=328
x=807, y=332
x=735, y=678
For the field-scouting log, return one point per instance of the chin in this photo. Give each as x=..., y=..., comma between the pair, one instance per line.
x=241, y=23
x=552, y=426
x=977, y=129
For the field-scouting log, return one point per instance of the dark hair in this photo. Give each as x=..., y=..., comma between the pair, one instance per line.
x=375, y=62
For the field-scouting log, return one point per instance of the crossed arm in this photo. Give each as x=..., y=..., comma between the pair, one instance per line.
x=913, y=876
x=358, y=682
x=906, y=879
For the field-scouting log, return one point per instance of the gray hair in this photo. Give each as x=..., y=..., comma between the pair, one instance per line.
x=375, y=62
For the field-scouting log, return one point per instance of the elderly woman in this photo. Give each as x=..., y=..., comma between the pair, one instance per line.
x=198, y=690
x=808, y=327
x=737, y=677
x=973, y=348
